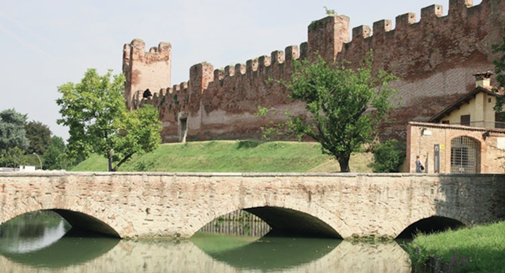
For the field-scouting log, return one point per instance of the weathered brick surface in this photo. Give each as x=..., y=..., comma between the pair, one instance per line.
x=434, y=58
x=491, y=158
x=145, y=70
x=179, y=204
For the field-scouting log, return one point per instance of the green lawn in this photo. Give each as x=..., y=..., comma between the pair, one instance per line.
x=232, y=156
x=477, y=249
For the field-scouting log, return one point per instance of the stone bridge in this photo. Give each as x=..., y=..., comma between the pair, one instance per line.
x=176, y=205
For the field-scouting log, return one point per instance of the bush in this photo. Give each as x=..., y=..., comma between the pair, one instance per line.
x=388, y=156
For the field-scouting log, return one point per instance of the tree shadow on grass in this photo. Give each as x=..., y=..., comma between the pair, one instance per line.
x=247, y=144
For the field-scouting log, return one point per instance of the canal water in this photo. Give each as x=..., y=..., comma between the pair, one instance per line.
x=36, y=242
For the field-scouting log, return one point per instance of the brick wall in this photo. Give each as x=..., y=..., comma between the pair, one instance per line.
x=422, y=144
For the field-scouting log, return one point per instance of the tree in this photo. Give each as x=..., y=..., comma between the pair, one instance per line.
x=499, y=68
x=140, y=133
x=346, y=106
x=54, y=157
x=12, y=130
x=98, y=120
x=12, y=158
x=39, y=136
x=388, y=156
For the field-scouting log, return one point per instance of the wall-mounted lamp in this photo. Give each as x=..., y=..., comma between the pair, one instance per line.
x=485, y=135
x=425, y=132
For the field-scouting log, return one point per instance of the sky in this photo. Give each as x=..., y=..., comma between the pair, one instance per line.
x=45, y=44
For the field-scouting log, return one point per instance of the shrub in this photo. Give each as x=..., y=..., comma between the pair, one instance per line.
x=388, y=156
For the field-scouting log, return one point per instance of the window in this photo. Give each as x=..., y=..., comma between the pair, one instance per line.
x=499, y=120
x=465, y=120
x=459, y=156
x=465, y=155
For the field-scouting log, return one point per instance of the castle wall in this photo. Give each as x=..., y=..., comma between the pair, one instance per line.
x=434, y=59
x=145, y=70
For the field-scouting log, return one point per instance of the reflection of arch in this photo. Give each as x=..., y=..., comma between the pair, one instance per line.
x=81, y=221
x=430, y=225
x=465, y=155
x=272, y=253
x=55, y=246
x=67, y=251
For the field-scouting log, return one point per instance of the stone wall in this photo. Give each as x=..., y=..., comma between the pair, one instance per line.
x=434, y=58
x=178, y=204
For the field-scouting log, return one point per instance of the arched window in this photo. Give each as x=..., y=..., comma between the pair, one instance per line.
x=465, y=155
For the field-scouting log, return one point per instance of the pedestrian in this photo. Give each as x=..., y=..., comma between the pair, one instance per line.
x=419, y=166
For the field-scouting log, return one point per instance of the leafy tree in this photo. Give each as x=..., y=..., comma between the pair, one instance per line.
x=12, y=130
x=140, y=132
x=12, y=158
x=388, y=156
x=499, y=64
x=39, y=136
x=98, y=120
x=346, y=105
x=54, y=157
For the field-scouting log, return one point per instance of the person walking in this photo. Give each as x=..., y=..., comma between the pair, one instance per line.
x=419, y=166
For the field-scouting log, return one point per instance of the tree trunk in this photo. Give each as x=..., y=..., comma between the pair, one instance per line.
x=109, y=161
x=109, y=164
x=344, y=164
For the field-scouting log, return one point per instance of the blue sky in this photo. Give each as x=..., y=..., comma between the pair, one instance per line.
x=47, y=43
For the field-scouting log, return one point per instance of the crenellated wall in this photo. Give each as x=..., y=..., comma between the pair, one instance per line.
x=145, y=70
x=434, y=57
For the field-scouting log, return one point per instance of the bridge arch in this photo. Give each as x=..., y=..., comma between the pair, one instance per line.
x=431, y=224
x=287, y=216
x=78, y=220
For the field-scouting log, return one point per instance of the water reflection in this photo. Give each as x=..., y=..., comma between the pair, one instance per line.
x=49, y=235
x=266, y=253
x=203, y=253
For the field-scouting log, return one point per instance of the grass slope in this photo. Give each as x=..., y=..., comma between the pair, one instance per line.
x=232, y=156
x=476, y=249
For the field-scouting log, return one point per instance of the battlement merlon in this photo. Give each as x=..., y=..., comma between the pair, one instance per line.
x=432, y=12
x=327, y=37
x=381, y=27
x=405, y=20
x=459, y=6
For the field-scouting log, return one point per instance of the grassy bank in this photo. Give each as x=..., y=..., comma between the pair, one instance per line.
x=477, y=249
x=232, y=156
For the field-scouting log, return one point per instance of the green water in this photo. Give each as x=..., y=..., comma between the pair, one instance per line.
x=35, y=244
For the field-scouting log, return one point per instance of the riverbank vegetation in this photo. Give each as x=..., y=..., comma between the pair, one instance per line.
x=232, y=156
x=477, y=249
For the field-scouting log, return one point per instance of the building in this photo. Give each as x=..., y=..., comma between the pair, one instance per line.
x=466, y=137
